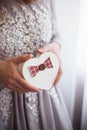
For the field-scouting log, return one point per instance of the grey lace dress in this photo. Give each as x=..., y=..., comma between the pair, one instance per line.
x=24, y=29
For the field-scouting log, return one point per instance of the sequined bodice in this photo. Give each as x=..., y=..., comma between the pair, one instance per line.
x=24, y=32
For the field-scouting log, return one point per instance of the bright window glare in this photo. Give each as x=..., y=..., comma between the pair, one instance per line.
x=82, y=38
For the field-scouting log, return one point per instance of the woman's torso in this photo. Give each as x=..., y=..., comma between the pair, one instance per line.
x=27, y=27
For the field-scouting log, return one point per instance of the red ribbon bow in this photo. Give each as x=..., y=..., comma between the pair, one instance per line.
x=35, y=69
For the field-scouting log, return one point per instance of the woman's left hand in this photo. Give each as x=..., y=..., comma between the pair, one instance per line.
x=55, y=48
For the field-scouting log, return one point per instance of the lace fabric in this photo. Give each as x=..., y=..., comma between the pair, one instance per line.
x=24, y=33
x=5, y=104
x=32, y=104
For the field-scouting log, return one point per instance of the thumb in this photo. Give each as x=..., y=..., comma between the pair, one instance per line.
x=20, y=59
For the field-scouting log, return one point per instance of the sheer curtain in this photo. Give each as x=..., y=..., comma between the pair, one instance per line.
x=82, y=58
x=72, y=25
x=68, y=24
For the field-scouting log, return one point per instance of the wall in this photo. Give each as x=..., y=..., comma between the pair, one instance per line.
x=68, y=21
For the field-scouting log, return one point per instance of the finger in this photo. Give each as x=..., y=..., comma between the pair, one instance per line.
x=43, y=49
x=21, y=58
x=10, y=87
x=19, y=87
x=27, y=85
x=14, y=88
x=58, y=76
x=14, y=85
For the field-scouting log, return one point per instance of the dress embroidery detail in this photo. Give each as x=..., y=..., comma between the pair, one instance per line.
x=54, y=95
x=5, y=104
x=32, y=102
x=25, y=32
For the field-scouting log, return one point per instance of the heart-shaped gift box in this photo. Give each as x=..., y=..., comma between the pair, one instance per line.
x=41, y=71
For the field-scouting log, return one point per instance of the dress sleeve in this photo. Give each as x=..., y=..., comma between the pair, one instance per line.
x=55, y=33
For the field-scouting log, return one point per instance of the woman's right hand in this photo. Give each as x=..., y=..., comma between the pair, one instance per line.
x=10, y=76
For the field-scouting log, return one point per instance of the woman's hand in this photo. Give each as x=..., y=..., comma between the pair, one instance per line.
x=55, y=48
x=10, y=76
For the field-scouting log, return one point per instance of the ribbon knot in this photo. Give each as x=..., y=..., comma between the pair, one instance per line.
x=35, y=69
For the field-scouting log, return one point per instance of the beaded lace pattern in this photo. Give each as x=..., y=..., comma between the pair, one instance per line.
x=20, y=35
x=25, y=33
x=32, y=103
x=5, y=104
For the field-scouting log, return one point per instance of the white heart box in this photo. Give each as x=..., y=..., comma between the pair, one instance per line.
x=44, y=79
